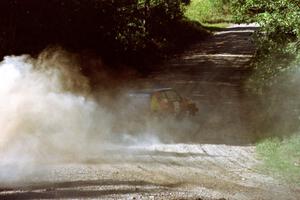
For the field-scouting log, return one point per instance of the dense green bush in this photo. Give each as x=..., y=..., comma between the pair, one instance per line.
x=277, y=40
x=209, y=11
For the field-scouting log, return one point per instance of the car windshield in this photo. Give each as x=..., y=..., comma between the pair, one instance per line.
x=172, y=95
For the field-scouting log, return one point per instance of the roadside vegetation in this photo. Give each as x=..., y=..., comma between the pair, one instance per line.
x=209, y=11
x=276, y=81
x=278, y=39
x=281, y=157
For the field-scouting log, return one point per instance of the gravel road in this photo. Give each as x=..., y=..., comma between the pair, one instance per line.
x=160, y=171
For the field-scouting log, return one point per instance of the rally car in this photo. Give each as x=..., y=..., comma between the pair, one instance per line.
x=163, y=101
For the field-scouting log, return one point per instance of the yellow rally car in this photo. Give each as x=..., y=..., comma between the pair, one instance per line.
x=164, y=101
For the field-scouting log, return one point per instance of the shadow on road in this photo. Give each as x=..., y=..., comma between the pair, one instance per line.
x=79, y=189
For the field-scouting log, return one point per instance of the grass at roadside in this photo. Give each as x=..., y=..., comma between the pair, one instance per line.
x=216, y=26
x=208, y=11
x=281, y=157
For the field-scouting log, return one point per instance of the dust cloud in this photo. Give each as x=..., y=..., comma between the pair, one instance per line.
x=50, y=114
x=47, y=112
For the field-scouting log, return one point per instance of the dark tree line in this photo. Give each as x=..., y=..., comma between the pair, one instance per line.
x=115, y=29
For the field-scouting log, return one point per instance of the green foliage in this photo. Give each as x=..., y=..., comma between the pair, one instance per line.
x=208, y=11
x=281, y=157
x=278, y=37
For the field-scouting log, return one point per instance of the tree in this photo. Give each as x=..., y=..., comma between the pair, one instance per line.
x=278, y=37
x=115, y=29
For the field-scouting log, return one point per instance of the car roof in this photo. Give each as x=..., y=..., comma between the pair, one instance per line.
x=160, y=89
x=150, y=91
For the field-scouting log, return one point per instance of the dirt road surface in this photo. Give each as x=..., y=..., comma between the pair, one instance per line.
x=216, y=162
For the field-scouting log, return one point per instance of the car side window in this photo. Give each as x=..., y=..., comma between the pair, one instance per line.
x=173, y=96
x=162, y=96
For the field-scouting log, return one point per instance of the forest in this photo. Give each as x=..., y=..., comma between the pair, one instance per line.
x=122, y=31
